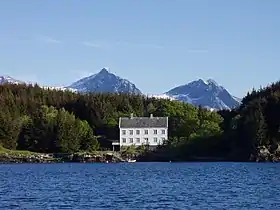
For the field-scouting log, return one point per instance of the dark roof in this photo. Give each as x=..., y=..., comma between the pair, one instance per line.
x=143, y=122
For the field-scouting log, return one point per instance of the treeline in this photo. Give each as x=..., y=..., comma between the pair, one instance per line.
x=252, y=132
x=43, y=120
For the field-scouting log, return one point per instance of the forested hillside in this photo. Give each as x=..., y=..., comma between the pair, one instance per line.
x=44, y=120
x=57, y=121
x=252, y=132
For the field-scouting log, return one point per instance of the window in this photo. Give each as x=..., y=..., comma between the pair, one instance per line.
x=130, y=132
x=146, y=132
x=123, y=132
x=124, y=140
x=137, y=132
x=155, y=131
x=162, y=139
x=130, y=140
x=155, y=139
x=146, y=140
x=137, y=140
x=162, y=131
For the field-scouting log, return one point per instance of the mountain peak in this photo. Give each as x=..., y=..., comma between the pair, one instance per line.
x=201, y=81
x=104, y=81
x=205, y=93
x=209, y=81
x=104, y=71
x=212, y=82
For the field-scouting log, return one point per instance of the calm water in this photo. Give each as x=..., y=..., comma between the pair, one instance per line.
x=140, y=186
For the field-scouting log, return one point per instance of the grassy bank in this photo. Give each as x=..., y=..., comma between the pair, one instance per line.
x=23, y=156
x=16, y=153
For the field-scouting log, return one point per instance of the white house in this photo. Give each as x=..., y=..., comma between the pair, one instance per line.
x=152, y=131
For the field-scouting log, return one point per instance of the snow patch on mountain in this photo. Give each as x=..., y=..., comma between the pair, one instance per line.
x=161, y=96
x=9, y=80
x=59, y=88
x=237, y=99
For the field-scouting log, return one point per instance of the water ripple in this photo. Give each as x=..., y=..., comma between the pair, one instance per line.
x=140, y=186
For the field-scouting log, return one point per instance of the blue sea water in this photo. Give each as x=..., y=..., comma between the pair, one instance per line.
x=140, y=186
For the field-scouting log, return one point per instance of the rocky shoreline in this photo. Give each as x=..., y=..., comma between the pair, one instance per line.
x=265, y=154
x=104, y=157
x=114, y=157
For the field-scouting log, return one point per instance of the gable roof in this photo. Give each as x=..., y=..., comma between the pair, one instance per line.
x=143, y=122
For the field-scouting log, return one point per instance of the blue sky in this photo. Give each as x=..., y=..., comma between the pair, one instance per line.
x=156, y=44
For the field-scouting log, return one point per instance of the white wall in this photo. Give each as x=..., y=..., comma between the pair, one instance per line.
x=142, y=136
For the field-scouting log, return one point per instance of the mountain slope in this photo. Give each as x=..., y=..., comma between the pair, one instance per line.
x=8, y=79
x=208, y=94
x=104, y=81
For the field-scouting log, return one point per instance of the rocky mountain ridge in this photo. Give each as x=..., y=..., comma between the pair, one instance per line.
x=208, y=94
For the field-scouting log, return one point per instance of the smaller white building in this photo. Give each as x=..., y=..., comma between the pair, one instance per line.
x=152, y=131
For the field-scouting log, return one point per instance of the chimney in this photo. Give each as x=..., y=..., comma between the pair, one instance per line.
x=151, y=115
x=131, y=115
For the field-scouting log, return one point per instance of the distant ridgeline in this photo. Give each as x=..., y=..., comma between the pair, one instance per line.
x=208, y=94
x=42, y=120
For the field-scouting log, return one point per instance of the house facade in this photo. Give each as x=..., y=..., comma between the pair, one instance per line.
x=152, y=131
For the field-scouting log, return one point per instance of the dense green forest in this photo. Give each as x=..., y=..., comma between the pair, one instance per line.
x=43, y=120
